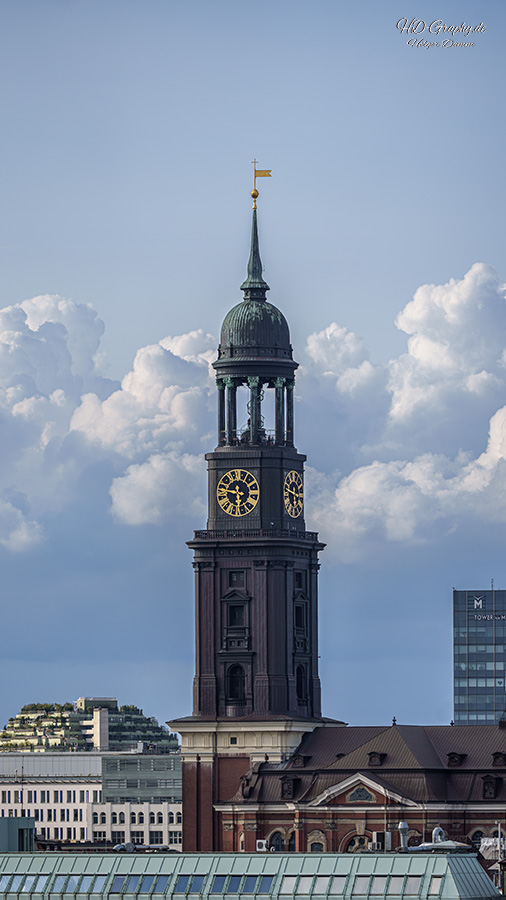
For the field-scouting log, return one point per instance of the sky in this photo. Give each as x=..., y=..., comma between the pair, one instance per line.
x=128, y=134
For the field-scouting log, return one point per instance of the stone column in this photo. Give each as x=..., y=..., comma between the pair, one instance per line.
x=289, y=412
x=280, y=410
x=231, y=410
x=254, y=386
x=220, y=384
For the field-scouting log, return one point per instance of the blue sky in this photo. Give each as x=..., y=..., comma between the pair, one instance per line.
x=128, y=133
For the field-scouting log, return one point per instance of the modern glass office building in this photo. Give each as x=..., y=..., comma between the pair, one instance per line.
x=479, y=628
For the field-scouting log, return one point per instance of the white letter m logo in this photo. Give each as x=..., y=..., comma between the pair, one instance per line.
x=478, y=602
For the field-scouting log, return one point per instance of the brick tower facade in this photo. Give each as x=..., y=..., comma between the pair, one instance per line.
x=256, y=687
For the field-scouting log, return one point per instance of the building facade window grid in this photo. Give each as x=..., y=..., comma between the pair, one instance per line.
x=69, y=803
x=479, y=620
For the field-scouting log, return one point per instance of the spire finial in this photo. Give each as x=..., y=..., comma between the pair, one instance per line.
x=255, y=286
x=258, y=173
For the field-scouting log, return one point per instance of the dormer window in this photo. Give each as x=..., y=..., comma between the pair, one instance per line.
x=490, y=785
x=456, y=759
x=287, y=788
x=499, y=759
x=376, y=759
x=299, y=761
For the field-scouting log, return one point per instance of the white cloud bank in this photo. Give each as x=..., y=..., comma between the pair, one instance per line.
x=405, y=457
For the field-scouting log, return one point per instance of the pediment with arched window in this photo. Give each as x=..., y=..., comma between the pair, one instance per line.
x=358, y=790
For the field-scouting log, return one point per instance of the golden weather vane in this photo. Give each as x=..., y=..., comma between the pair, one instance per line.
x=258, y=173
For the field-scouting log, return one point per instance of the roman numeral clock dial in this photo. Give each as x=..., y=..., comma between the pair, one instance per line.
x=293, y=494
x=238, y=492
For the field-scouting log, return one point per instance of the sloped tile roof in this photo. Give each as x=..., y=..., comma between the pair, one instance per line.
x=414, y=763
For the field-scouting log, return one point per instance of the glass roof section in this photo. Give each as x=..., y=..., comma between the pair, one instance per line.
x=233, y=876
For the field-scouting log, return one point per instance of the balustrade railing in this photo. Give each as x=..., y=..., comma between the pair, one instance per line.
x=256, y=533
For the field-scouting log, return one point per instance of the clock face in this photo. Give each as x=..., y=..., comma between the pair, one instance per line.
x=293, y=494
x=238, y=492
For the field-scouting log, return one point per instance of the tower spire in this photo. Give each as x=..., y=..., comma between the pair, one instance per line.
x=254, y=287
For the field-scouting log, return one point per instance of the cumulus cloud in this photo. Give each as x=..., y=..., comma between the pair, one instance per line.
x=47, y=358
x=421, y=464
x=18, y=531
x=59, y=415
x=453, y=371
x=412, y=448
x=166, y=485
x=163, y=399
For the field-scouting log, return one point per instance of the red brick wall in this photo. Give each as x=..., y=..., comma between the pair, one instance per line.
x=198, y=831
x=203, y=785
x=228, y=771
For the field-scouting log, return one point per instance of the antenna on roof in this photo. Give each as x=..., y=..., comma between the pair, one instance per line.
x=491, y=584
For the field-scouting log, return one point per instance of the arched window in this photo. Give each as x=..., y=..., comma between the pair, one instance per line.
x=95, y=818
x=159, y=818
x=179, y=819
x=102, y=819
x=301, y=684
x=291, y=843
x=140, y=818
x=357, y=844
x=276, y=842
x=476, y=838
x=171, y=818
x=236, y=683
x=316, y=842
x=114, y=818
x=151, y=818
x=122, y=818
x=132, y=818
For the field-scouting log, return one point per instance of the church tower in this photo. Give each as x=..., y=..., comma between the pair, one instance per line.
x=256, y=686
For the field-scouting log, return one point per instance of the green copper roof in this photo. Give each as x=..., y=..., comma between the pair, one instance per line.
x=255, y=327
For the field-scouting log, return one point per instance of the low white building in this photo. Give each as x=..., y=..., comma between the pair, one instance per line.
x=99, y=797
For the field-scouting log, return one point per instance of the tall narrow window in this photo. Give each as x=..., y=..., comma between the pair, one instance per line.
x=300, y=581
x=276, y=842
x=300, y=684
x=235, y=615
x=300, y=615
x=236, y=683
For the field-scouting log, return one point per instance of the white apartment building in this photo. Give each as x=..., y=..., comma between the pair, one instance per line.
x=99, y=797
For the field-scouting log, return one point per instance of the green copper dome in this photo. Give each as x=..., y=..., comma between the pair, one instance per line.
x=255, y=328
